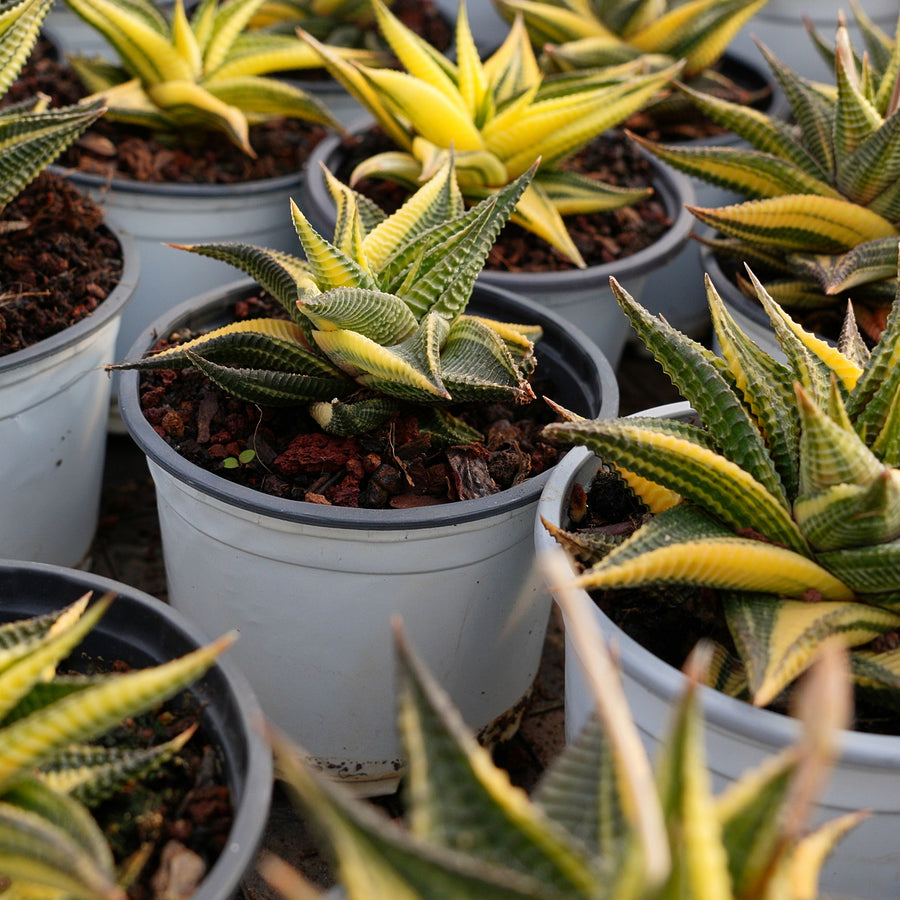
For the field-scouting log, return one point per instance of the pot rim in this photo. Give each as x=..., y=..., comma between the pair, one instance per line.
x=259, y=503
x=251, y=813
x=180, y=189
x=108, y=309
x=760, y=726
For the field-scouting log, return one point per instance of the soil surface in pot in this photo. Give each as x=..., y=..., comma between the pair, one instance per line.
x=600, y=237
x=670, y=620
x=394, y=466
x=168, y=828
x=114, y=150
x=58, y=262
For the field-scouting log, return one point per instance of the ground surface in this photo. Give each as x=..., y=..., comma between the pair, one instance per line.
x=127, y=548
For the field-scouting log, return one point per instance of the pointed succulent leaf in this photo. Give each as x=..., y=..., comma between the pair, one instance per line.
x=39, y=853
x=851, y=515
x=570, y=193
x=679, y=458
x=328, y=266
x=778, y=638
x=798, y=222
x=92, y=774
x=866, y=570
x=685, y=546
x=483, y=815
x=269, y=386
x=281, y=274
x=698, y=375
x=353, y=417
x=30, y=741
x=751, y=173
x=476, y=364
x=29, y=141
x=873, y=166
x=856, y=119
x=381, y=317
x=865, y=263
x=20, y=24
x=408, y=371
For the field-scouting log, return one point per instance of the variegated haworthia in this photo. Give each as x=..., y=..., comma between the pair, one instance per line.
x=822, y=212
x=785, y=496
x=496, y=117
x=50, y=846
x=378, y=317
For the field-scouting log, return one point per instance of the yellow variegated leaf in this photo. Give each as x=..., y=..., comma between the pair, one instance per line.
x=473, y=84
x=266, y=98
x=185, y=42
x=384, y=368
x=806, y=859
x=798, y=221
x=536, y=212
x=436, y=116
x=231, y=19
x=867, y=570
x=779, y=638
x=654, y=496
x=381, y=317
x=189, y=103
x=725, y=563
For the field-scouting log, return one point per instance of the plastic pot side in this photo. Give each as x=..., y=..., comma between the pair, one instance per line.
x=312, y=589
x=54, y=403
x=866, y=863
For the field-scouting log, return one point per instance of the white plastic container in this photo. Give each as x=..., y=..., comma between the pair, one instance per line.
x=313, y=588
x=866, y=863
x=54, y=403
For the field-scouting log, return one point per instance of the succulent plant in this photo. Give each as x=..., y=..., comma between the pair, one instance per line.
x=377, y=317
x=598, y=825
x=783, y=497
x=823, y=208
x=50, y=845
x=582, y=34
x=497, y=117
x=31, y=136
x=207, y=72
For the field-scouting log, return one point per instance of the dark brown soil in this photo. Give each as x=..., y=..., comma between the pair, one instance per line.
x=600, y=237
x=58, y=262
x=394, y=466
x=669, y=621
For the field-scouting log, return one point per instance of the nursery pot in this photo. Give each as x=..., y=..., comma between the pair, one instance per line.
x=54, y=403
x=256, y=212
x=313, y=588
x=143, y=631
x=581, y=296
x=866, y=863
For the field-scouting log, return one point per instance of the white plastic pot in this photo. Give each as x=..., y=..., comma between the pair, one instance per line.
x=581, y=296
x=866, y=863
x=256, y=212
x=54, y=403
x=779, y=25
x=313, y=588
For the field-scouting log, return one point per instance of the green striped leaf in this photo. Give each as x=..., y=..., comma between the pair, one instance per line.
x=20, y=24
x=866, y=570
x=379, y=316
x=354, y=417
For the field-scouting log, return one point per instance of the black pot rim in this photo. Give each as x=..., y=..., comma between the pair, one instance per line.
x=212, y=485
x=110, y=308
x=252, y=807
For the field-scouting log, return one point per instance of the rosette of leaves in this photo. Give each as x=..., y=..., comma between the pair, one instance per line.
x=584, y=34
x=822, y=213
x=378, y=317
x=784, y=497
x=600, y=824
x=497, y=117
x=50, y=845
x=31, y=135
x=208, y=72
